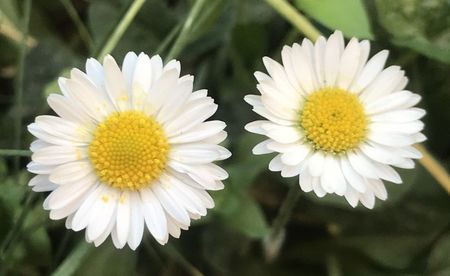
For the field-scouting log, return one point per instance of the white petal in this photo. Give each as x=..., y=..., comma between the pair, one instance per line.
x=128, y=66
x=316, y=164
x=69, y=110
x=332, y=58
x=383, y=84
x=349, y=66
x=332, y=179
x=104, y=208
x=352, y=196
x=88, y=96
x=353, y=178
x=198, y=153
x=65, y=194
x=176, y=99
x=37, y=168
x=397, y=100
x=159, y=91
x=278, y=74
x=41, y=183
x=361, y=164
x=381, y=154
x=142, y=77
x=370, y=71
x=296, y=155
x=256, y=127
x=378, y=188
x=303, y=66
x=170, y=205
x=401, y=128
x=82, y=216
x=54, y=155
x=288, y=64
x=136, y=221
x=399, y=116
x=195, y=114
x=319, y=60
x=261, y=148
x=123, y=217
x=306, y=181
x=392, y=140
x=155, y=219
x=368, y=199
x=94, y=71
x=275, y=164
x=109, y=228
x=199, y=132
x=115, y=84
x=70, y=172
x=386, y=172
x=282, y=134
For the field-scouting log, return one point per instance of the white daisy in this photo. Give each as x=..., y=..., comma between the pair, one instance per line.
x=129, y=147
x=336, y=119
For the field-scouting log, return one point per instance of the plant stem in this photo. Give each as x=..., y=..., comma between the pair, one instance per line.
x=162, y=47
x=332, y=263
x=434, y=168
x=272, y=242
x=173, y=253
x=82, y=30
x=6, y=247
x=74, y=260
x=184, y=36
x=292, y=15
x=19, y=82
x=121, y=28
x=14, y=152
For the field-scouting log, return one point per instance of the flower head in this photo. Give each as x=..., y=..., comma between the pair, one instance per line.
x=129, y=147
x=337, y=119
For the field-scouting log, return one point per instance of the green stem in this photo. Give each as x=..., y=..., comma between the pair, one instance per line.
x=82, y=30
x=162, y=47
x=74, y=260
x=7, y=244
x=19, y=82
x=185, y=34
x=332, y=263
x=173, y=253
x=274, y=240
x=292, y=15
x=14, y=152
x=285, y=212
x=121, y=28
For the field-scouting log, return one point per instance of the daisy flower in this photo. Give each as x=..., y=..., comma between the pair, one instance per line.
x=337, y=119
x=129, y=147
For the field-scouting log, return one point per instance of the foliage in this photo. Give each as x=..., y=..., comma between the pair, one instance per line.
x=406, y=235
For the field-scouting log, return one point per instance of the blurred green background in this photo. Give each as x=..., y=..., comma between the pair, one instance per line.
x=409, y=234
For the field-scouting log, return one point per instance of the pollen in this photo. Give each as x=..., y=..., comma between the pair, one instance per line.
x=333, y=120
x=129, y=150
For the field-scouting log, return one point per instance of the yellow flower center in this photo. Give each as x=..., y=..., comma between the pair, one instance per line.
x=129, y=150
x=333, y=120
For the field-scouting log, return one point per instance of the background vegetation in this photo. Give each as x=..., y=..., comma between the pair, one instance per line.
x=221, y=42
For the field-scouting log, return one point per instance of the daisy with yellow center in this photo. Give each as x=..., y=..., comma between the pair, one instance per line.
x=129, y=147
x=337, y=119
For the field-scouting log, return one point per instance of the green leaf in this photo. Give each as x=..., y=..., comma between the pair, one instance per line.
x=349, y=16
x=405, y=247
x=422, y=25
x=247, y=218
